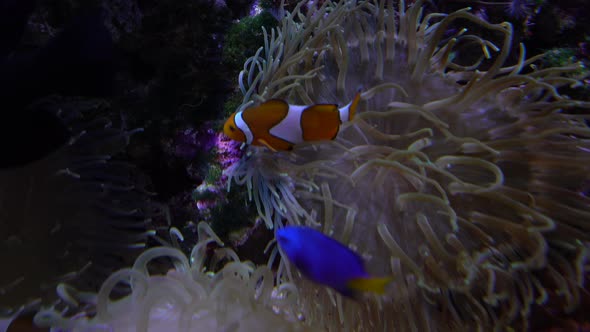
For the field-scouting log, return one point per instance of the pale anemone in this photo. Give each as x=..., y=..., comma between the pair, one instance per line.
x=76, y=215
x=464, y=181
x=190, y=297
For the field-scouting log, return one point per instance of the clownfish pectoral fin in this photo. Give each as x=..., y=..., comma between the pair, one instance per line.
x=375, y=285
x=265, y=143
x=282, y=145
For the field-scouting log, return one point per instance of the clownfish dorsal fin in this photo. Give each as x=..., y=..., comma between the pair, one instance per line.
x=370, y=284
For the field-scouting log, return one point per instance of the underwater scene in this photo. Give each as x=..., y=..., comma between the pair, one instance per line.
x=261, y=165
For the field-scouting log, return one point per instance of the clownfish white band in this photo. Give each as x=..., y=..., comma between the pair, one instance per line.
x=243, y=126
x=289, y=128
x=345, y=113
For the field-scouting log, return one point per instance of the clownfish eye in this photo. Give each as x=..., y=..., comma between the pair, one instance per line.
x=232, y=128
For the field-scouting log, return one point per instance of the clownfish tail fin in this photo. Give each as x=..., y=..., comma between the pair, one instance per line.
x=347, y=112
x=371, y=284
x=353, y=105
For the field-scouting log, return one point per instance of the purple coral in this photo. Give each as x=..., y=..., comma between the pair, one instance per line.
x=203, y=143
x=190, y=142
x=209, y=194
x=228, y=151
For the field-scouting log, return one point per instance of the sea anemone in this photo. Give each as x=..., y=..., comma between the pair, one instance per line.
x=190, y=297
x=463, y=180
x=76, y=215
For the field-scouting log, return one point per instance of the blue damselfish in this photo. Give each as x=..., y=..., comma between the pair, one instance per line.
x=328, y=262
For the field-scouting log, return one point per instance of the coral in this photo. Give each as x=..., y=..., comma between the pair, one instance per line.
x=462, y=180
x=206, y=197
x=237, y=297
x=122, y=17
x=230, y=105
x=224, y=210
x=518, y=8
x=244, y=37
x=559, y=57
x=201, y=154
x=228, y=151
x=189, y=143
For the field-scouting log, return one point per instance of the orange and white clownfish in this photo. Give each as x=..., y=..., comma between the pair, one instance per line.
x=279, y=126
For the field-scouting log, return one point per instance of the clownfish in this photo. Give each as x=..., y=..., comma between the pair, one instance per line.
x=328, y=262
x=279, y=126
